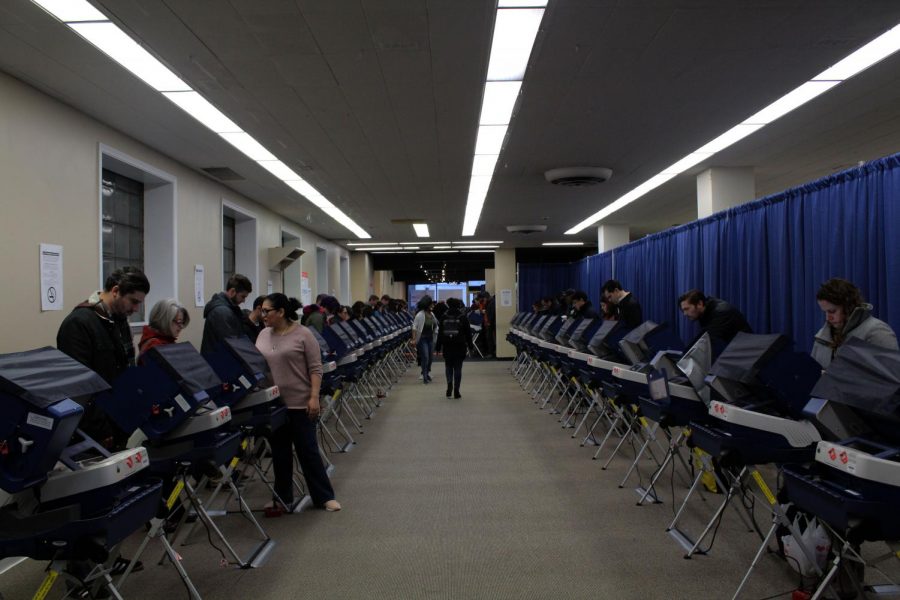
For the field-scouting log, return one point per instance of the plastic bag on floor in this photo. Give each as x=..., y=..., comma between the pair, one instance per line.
x=815, y=539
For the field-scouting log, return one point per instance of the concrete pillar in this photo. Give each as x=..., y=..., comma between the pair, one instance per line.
x=719, y=188
x=361, y=274
x=611, y=236
x=489, y=286
x=505, y=282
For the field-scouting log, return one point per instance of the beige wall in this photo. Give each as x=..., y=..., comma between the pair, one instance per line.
x=361, y=276
x=504, y=279
x=50, y=167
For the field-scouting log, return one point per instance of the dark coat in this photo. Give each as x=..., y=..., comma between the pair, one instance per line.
x=587, y=312
x=629, y=311
x=722, y=320
x=224, y=319
x=105, y=346
x=455, y=349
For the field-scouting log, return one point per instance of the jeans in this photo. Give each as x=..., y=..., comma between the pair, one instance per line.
x=453, y=370
x=424, y=347
x=299, y=432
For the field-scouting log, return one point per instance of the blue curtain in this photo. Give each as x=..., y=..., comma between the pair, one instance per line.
x=767, y=257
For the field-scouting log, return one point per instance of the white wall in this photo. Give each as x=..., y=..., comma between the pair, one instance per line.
x=50, y=165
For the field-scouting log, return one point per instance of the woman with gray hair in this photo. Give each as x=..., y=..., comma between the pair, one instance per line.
x=167, y=319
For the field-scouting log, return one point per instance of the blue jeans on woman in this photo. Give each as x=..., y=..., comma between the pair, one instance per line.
x=425, y=346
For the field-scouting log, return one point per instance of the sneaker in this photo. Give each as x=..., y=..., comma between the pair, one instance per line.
x=332, y=506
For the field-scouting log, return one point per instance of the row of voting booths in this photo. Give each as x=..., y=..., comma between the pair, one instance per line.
x=751, y=418
x=198, y=451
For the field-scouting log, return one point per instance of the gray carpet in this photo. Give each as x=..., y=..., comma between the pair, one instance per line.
x=482, y=497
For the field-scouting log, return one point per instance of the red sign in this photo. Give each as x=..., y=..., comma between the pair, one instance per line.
x=832, y=454
x=844, y=457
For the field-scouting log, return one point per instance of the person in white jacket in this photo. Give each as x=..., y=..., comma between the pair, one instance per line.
x=424, y=335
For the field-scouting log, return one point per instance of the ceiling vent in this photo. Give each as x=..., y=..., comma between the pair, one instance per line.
x=222, y=173
x=578, y=176
x=526, y=229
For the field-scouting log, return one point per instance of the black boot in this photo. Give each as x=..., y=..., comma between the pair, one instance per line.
x=456, y=394
x=449, y=391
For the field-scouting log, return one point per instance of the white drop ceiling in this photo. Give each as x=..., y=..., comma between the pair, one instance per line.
x=376, y=102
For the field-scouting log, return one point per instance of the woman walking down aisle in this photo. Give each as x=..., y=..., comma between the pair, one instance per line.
x=424, y=335
x=296, y=364
x=454, y=339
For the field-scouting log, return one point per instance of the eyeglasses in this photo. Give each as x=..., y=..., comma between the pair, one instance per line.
x=265, y=311
x=178, y=323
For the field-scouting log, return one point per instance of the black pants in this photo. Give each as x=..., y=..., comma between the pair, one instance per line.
x=299, y=432
x=453, y=370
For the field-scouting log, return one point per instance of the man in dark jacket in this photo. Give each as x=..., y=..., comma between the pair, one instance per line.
x=628, y=309
x=719, y=319
x=223, y=314
x=453, y=340
x=97, y=334
x=582, y=307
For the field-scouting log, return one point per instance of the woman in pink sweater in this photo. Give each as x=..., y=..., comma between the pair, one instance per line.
x=295, y=362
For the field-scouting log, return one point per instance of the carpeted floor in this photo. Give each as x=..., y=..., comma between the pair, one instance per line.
x=481, y=497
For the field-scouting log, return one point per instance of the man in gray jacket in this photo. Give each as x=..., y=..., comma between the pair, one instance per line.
x=223, y=314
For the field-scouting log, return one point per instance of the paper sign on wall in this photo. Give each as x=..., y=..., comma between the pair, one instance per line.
x=51, y=277
x=199, y=295
x=269, y=287
x=505, y=297
x=305, y=292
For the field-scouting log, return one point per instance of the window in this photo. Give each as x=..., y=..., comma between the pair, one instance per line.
x=228, y=247
x=123, y=226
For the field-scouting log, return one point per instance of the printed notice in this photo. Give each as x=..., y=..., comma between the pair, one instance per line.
x=51, y=277
x=198, y=286
x=269, y=287
x=305, y=291
x=505, y=297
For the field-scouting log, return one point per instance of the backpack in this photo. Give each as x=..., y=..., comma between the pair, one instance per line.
x=450, y=326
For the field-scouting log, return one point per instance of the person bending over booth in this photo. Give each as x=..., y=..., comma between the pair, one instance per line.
x=628, y=308
x=847, y=315
x=167, y=320
x=295, y=361
x=223, y=314
x=721, y=320
x=582, y=307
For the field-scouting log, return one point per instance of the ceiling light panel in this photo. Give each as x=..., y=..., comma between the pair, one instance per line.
x=250, y=147
x=376, y=248
x=372, y=243
x=514, y=33
x=792, y=100
x=279, y=170
x=113, y=42
x=490, y=139
x=463, y=242
x=875, y=51
x=498, y=102
x=421, y=230
x=521, y=3
x=563, y=244
x=484, y=165
x=71, y=11
x=199, y=107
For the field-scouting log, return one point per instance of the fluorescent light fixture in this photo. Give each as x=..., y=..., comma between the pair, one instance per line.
x=471, y=246
x=484, y=164
x=881, y=47
x=521, y=3
x=490, y=139
x=244, y=142
x=473, y=212
x=279, y=170
x=410, y=247
x=116, y=44
x=371, y=243
x=563, y=244
x=692, y=159
x=376, y=248
x=71, y=11
x=421, y=229
x=498, y=102
x=443, y=247
x=475, y=242
x=733, y=135
x=199, y=107
x=394, y=252
x=437, y=251
x=432, y=243
x=476, y=251
x=792, y=100
x=514, y=33
x=873, y=52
